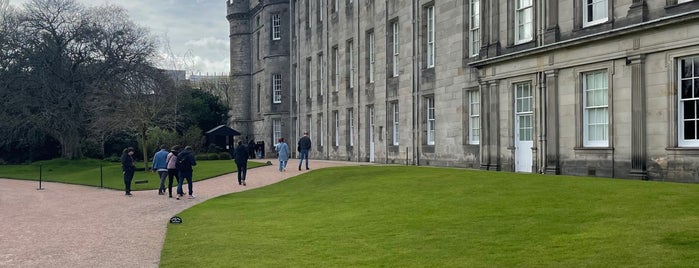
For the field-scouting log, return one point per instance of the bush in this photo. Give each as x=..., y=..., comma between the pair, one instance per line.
x=224, y=156
x=113, y=158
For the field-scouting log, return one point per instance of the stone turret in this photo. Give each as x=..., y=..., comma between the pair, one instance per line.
x=241, y=64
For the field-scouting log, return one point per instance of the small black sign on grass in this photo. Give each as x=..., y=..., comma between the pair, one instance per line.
x=176, y=220
x=141, y=182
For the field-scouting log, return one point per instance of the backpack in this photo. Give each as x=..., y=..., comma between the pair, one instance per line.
x=179, y=164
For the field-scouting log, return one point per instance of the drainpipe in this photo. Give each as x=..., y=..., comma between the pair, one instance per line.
x=357, y=115
x=415, y=81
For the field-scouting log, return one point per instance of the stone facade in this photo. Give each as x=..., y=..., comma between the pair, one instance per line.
x=260, y=61
x=555, y=86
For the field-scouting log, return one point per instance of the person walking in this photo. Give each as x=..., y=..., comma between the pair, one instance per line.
x=128, y=168
x=172, y=169
x=251, y=149
x=160, y=166
x=185, y=161
x=282, y=153
x=303, y=147
x=241, y=155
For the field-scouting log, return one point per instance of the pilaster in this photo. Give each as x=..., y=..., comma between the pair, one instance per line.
x=552, y=124
x=638, y=117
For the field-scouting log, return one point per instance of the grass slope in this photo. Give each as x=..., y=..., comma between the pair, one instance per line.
x=87, y=172
x=433, y=217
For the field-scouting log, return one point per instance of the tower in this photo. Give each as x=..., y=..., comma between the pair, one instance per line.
x=241, y=65
x=259, y=55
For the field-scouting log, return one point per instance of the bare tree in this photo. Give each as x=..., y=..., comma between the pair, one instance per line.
x=220, y=86
x=63, y=53
x=4, y=5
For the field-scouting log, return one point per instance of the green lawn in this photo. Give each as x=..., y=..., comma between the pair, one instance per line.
x=372, y=216
x=87, y=172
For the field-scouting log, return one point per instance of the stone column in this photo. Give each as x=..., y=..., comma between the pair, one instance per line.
x=485, y=126
x=638, y=117
x=552, y=125
x=493, y=136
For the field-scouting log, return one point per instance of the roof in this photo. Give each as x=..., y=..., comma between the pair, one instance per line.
x=222, y=130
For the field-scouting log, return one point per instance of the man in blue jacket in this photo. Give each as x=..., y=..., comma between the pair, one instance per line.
x=160, y=166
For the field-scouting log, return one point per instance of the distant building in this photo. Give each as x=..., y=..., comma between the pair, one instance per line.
x=601, y=88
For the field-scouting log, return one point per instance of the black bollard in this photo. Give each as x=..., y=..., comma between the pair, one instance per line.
x=40, y=174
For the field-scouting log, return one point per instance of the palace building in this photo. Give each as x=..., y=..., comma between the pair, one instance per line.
x=605, y=88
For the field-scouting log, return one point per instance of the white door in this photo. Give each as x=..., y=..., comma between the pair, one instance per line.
x=524, y=126
x=371, y=135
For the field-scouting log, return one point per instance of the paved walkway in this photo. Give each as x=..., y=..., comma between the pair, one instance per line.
x=79, y=226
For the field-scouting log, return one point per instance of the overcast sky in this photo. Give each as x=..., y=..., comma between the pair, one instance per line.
x=196, y=30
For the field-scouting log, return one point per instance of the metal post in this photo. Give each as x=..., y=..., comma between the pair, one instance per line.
x=40, y=175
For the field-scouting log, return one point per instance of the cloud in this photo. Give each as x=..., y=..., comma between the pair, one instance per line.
x=208, y=43
x=196, y=31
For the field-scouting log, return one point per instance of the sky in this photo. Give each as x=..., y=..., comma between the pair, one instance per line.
x=196, y=31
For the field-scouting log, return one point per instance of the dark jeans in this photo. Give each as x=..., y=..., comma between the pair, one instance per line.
x=128, y=177
x=303, y=155
x=184, y=175
x=242, y=172
x=162, y=175
x=172, y=174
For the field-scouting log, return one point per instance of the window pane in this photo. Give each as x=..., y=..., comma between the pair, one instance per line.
x=689, y=111
x=696, y=66
x=687, y=89
x=600, y=10
x=687, y=68
x=689, y=130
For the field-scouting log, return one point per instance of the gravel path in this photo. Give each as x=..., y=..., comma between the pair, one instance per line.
x=79, y=226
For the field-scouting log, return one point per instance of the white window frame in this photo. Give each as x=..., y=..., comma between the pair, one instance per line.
x=396, y=48
x=597, y=7
x=524, y=10
x=431, y=123
x=600, y=116
x=350, y=117
x=350, y=65
x=474, y=32
x=336, y=8
x=474, y=117
x=683, y=1
x=396, y=132
x=277, y=88
x=276, y=27
x=689, y=76
x=276, y=130
x=372, y=57
x=336, y=135
x=430, y=37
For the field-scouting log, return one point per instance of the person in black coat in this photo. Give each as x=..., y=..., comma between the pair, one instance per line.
x=185, y=161
x=251, y=149
x=128, y=168
x=241, y=155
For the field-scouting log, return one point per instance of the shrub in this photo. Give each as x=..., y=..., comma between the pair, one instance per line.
x=224, y=156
